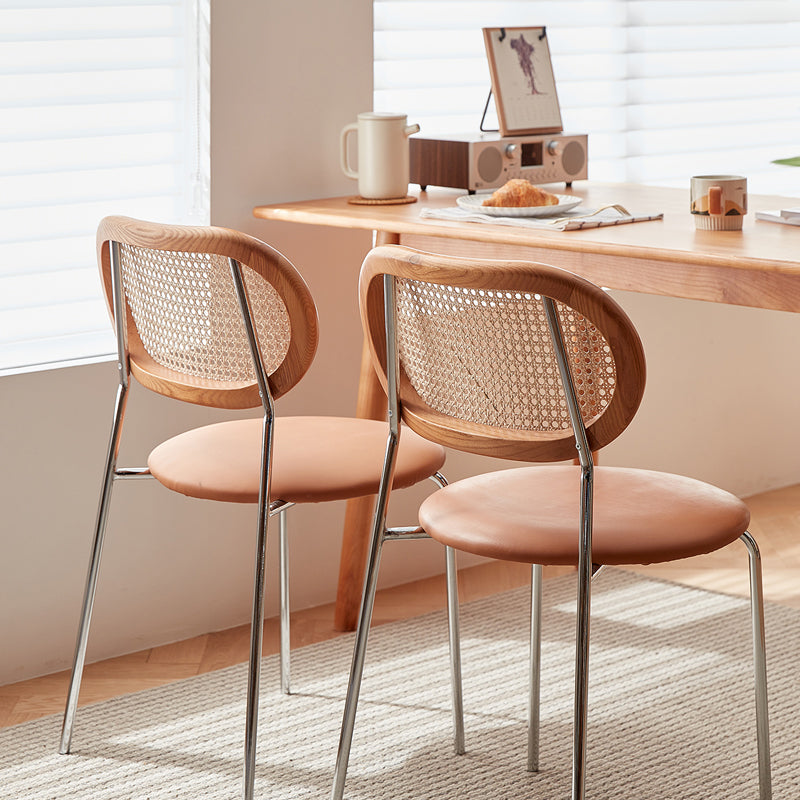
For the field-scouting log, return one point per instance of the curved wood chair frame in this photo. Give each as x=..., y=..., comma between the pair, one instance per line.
x=493, y=278
x=256, y=257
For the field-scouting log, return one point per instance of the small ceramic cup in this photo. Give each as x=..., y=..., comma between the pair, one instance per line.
x=718, y=202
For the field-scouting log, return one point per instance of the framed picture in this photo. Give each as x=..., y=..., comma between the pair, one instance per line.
x=522, y=80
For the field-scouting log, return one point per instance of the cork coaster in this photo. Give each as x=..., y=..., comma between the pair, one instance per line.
x=357, y=200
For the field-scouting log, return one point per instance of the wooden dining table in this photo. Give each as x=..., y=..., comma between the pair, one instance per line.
x=758, y=266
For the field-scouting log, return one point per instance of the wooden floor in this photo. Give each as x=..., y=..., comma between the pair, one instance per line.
x=775, y=524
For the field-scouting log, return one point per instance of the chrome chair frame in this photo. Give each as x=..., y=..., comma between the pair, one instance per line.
x=265, y=511
x=586, y=570
x=378, y=536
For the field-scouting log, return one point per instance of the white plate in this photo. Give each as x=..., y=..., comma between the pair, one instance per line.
x=474, y=202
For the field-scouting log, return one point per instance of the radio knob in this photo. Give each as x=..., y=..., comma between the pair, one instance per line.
x=510, y=150
x=553, y=148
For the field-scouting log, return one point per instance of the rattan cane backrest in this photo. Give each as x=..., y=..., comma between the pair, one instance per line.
x=477, y=365
x=185, y=332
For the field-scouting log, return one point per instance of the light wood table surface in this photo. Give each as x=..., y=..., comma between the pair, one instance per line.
x=758, y=266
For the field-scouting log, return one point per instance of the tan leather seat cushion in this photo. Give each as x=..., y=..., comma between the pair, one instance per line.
x=531, y=515
x=315, y=459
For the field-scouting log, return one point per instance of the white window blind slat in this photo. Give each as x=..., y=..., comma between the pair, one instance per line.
x=76, y=186
x=692, y=13
x=34, y=89
x=664, y=88
x=93, y=346
x=712, y=64
x=707, y=114
x=62, y=121
x=765, y=84
x=37, y=255
x=474, y=14
x=103, y=105
x=752, y=37
x=29, y=156
x=50, y=321
x=63, y=286
x=59, y=21
x=60, y=221
x=55, y=55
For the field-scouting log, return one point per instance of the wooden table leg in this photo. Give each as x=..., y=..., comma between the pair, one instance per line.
x=371, y=404
x=358, y=513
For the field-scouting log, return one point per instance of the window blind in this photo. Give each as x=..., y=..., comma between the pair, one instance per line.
x=664, y=88
x=103, y=110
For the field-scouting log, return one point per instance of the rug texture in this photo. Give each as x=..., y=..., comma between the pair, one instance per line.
x=671, y=712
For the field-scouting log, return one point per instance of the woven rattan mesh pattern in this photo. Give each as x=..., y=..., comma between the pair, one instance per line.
x=185, y=309
x=486, y=357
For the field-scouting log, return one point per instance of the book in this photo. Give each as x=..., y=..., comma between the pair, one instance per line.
x=785, y=216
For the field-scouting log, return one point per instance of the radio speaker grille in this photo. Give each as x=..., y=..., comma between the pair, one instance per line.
x=490, y=164
x=574, y=158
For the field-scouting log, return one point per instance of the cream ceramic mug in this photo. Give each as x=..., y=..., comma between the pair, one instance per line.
x=382, y=154
x=719, y=202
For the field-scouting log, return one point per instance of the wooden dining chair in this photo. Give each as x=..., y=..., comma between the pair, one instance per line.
x=528, y=362
x=215, y=317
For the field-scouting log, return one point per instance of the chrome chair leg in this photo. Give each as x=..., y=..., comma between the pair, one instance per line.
x=94, y=568
x=254, y=670
x=357, y=666
x=760, y=667
x=536, y=667
x=283, y=557
x=377, y=538
x=582, y=639
x=257, y=619
x=454, y=631
x=454, y=635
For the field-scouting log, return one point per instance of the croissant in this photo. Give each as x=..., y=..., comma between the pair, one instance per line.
x=518, y=192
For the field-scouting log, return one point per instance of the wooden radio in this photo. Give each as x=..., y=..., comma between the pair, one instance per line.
x=488, y=160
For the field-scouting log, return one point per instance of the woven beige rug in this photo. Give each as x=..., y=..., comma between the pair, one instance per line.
x=671, y=712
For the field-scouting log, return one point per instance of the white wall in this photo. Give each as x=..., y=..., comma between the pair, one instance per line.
x=286, y=76
x=721, y=395
x=159, y=565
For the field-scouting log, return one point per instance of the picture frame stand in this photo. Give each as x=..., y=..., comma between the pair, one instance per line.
x=483, y=116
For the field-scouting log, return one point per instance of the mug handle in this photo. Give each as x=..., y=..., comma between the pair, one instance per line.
x=343, y=160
